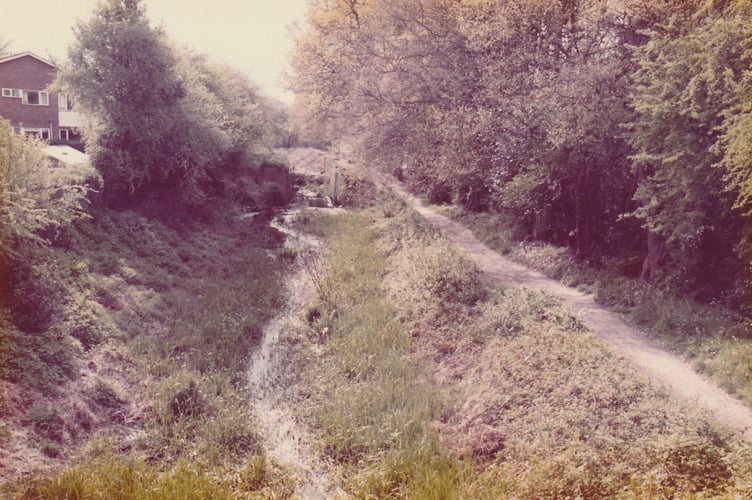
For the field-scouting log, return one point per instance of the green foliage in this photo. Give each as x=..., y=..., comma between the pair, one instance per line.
x=594, y=128
x=41, y=361
x=36, y=201
x=164, y=120
x=122, y=73
x=682, y=87
x=546, y=144
x=716, y=339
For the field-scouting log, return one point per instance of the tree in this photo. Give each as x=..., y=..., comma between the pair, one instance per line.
x=122, y=73
x=509, y=105
x=611, y=127
x=688, y=73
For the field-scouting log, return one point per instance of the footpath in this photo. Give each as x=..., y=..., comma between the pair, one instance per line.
x=647, y=354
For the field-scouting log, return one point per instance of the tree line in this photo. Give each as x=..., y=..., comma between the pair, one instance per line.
x=619, y=128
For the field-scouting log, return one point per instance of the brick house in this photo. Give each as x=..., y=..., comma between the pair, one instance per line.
x=30, y=107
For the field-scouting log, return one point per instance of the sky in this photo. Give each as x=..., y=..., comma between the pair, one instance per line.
x=250, y=35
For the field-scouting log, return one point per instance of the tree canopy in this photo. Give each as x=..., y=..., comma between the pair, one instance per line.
x=163, y=118
x=612, y=127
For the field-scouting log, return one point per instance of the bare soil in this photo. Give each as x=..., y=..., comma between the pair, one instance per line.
x=647, y=354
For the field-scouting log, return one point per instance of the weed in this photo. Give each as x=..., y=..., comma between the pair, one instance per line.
x=187, y=402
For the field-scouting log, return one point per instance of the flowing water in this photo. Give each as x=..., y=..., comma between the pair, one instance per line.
x=286, y=440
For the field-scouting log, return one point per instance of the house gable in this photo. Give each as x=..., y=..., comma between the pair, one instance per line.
x=26, y=71
x=25, y=100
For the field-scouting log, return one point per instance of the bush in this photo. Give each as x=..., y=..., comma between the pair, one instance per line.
x=272, y=195
x=33, y=302
x=620, y=293
x=41, y=361
x=512, y=311
x=438, y=278
x=104, y=395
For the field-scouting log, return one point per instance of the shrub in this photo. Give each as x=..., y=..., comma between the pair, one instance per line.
x=438, y=278
x=512, y=311
x=104, y=395
x=39, y=361
x=33, y=302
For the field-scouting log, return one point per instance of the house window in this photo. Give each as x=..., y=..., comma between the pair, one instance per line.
x=39, y=133
x=35, y=98
x=64, y=102
x=63, y=134
x=17, y=130
x=11, y=92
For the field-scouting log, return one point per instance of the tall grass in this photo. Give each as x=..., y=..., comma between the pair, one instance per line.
x=370, y=401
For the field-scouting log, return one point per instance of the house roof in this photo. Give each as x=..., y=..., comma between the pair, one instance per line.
x=25, y=54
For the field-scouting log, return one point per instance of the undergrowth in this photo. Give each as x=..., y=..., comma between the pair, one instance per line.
x=370, y=402
x=717, y=340
x=431, y=383
x=142, y=363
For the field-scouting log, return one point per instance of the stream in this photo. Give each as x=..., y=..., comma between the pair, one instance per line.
x=286, y=440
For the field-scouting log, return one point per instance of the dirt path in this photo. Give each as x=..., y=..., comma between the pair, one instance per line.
x=662, y=366
x=285, y=438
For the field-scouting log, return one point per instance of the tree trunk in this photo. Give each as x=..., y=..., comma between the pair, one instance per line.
x=656, y=250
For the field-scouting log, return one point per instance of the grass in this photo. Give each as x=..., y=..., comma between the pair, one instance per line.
x=433, y=384
x=112, y=477
x=370, y=403
x=716, y=340
x=163, y=319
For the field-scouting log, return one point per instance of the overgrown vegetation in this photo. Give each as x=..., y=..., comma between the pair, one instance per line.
x=164, y=122
x=125, y=333
x=151, y=331
x=714, y=338
x=430, y=383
